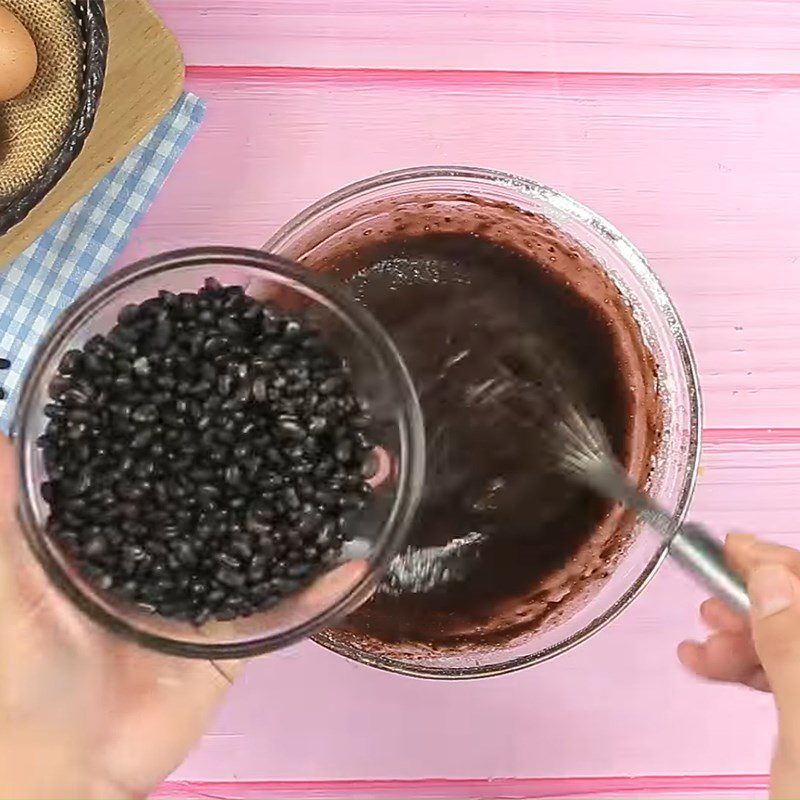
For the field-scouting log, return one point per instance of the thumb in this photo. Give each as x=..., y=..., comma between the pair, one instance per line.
x=775, y=596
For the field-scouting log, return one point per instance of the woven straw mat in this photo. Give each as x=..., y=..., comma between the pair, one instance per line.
x=34, y=125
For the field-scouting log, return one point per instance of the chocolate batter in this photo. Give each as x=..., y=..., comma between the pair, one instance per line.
x=494, y=313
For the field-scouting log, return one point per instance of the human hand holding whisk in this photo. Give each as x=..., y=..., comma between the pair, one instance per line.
x=754, y=617
x=760, y=650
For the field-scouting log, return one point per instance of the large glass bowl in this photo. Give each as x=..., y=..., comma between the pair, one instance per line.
x=379, y=376
x=369, y=206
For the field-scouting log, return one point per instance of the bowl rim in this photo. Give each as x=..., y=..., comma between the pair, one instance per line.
x=636, y=260
x=410, y=472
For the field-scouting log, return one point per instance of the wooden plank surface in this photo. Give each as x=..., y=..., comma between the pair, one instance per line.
x=665, y=787
x=711, y=36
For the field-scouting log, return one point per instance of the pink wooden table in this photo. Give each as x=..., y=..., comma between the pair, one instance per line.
x=679, y=124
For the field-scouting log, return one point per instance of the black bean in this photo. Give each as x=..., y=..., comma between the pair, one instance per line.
x=344, y=450
x=54, y=411
x=96, y=546
x=327, y=535
x=97, y=344
x=58, y=386
x=145, y=413
x=94, y=364
x=71, y=362
x=310, y=519
x=290, y=428
x=317, y=425
x=230, y=327
x=230, y=577
x=225, y=384
x=241, y=549
x=104, y=581
x=258, y=526
x=258, y=565
x=352, y=501
x=202, y=616
x=128, y=314
x=283, y=586
x=290, y=498
x=331, y=385
x=260, y=387
x=233, y=475
x=215, y=345
x=123, y=384
x=168, y=299
x=292, y=328
x=142, y=439
x=229, y=561
x=134, y=552
x=75, y=396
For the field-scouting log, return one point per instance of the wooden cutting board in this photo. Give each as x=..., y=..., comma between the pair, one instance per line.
x=143, y=81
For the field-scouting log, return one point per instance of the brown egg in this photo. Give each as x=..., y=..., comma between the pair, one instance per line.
x=18, y=57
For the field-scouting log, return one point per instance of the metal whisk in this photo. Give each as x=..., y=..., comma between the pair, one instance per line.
x=581, y=450
x=529, y=377
x=587, y=457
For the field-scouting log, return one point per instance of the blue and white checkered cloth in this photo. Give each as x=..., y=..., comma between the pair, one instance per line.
x=82, y=246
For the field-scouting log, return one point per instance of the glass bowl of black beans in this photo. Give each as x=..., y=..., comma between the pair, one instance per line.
x=219, y=452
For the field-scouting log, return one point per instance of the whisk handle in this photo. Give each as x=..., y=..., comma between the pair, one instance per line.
x=703, y=556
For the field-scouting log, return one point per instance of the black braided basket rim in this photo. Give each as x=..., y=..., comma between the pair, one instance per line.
x=91, y=18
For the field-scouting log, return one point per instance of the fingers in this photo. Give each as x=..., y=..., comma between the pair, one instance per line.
x=728, y=655
x=775, y=594
x=746, y=552
x=725, y=657
x=719, y=616
x=773, y=575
